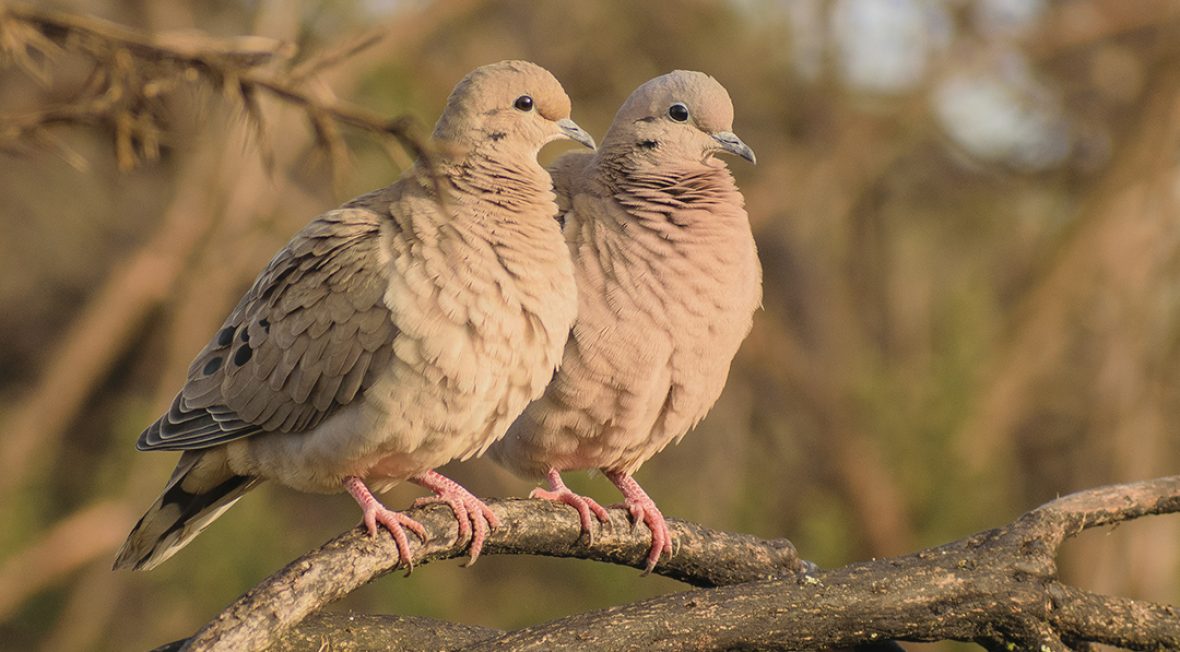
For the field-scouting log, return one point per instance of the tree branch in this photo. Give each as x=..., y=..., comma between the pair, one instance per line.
x=997, y=588
x=703, y=558
x=134, y=69
x=367, y=632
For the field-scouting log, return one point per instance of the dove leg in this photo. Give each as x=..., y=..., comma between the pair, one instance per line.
x=471, y=512
x=374, y=513
x=643, y=509
x=584, y=504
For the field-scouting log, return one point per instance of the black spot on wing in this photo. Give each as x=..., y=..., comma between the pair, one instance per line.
x=225, y=336
x=212, y=366
x=243, y=354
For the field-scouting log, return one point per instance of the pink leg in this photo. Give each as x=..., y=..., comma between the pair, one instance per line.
x=374, y=513
x=644, y=510
x=471, y=512
x=584, y=504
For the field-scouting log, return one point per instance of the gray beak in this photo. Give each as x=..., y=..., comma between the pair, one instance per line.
x=576, y=133
x=734, y=145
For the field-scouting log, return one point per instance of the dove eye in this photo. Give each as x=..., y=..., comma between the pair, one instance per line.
x=678, y=112
x=523, y=103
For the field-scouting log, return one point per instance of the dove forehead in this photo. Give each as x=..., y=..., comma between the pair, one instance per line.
x=707, y=100
x=497, y=86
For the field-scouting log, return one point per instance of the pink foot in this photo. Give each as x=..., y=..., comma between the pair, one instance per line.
x=584, y=504
x=471, y=512
x=374, y=513
x=644, y=510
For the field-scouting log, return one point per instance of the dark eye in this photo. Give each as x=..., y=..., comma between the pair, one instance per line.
x=678, y=112
x=523, y=103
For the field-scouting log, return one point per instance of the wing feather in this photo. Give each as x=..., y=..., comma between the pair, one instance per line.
x=302, y=342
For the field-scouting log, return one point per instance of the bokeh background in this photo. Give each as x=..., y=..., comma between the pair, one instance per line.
x=967, y=211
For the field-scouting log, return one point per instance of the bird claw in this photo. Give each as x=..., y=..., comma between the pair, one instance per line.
x=397, y=524
x=475, y=519
x=643, y=510
x=587, y=508
x=661, y=539
x=374, y=513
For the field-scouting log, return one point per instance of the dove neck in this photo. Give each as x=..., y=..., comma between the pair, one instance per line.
x=685, y=184
x=515, y=183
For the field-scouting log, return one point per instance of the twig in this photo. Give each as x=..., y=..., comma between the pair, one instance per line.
x=135, y=69
x=100, y=37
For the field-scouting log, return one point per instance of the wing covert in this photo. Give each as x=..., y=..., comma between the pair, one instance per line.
x=306, y=339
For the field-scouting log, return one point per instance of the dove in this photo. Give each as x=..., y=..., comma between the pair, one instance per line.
x=668, y=281
x=401, y=331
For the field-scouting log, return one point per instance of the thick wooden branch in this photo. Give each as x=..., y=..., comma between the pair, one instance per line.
x=703, y=558
x=997, y=588
x=368, y=632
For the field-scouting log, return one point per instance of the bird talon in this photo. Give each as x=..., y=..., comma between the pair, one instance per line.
x=588, y=509
x=373, y=514
x=474, y=518
x=643, y=510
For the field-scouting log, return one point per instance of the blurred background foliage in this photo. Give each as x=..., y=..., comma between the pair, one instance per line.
x=967, y=212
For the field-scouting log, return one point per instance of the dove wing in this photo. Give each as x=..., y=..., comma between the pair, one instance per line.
x=306, y=339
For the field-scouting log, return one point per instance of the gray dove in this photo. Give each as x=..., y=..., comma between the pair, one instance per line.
x=394, y=334
x=668, y=280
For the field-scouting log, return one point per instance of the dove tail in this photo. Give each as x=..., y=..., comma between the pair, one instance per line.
x=198, y=492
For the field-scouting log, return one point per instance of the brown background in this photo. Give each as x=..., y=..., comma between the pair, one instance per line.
x=970, y=308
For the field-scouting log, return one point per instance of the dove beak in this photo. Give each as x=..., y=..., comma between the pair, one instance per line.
x=732, y=144
x=572, y=131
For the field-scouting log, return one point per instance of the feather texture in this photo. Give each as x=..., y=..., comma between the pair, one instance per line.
x=390, y=336
x=668, y=280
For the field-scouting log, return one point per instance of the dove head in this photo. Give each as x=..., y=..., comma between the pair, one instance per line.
x=680, y=116
x=512, y=106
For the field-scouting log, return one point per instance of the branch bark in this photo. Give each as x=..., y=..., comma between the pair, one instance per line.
x=997, y=588
x=703, y=558
x=369, y=632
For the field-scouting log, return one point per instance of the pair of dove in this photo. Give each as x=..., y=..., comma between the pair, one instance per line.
x=406, y=329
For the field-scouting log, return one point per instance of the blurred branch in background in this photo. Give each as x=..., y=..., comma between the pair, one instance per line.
x=132, y=71
x=61, y=551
